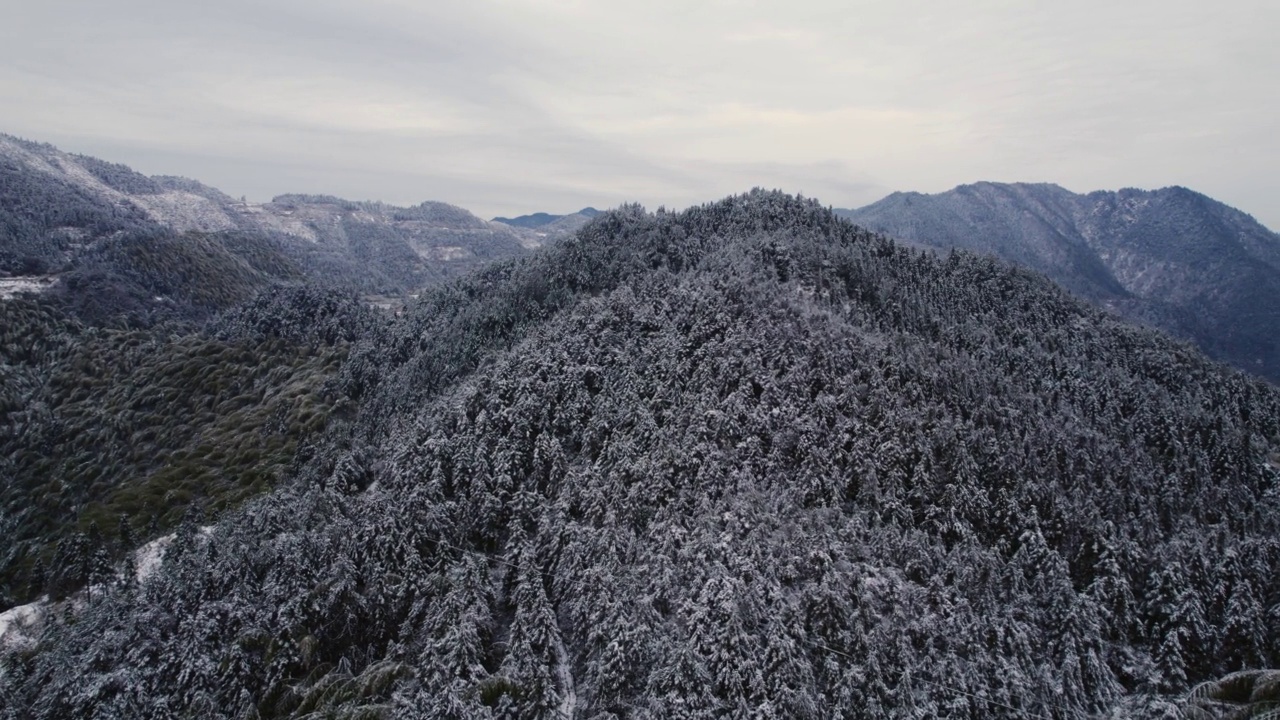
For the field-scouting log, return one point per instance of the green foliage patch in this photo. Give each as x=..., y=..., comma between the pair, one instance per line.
x=105, y=423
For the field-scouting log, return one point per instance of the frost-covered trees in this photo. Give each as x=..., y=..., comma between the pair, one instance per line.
x=742, y=461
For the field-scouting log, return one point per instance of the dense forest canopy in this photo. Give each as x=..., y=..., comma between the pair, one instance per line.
x=107, y=430
x=744, y=460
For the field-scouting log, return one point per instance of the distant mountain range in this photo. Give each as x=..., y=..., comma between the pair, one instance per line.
x=1171, y=258
x=122, y=244
x=113, y=245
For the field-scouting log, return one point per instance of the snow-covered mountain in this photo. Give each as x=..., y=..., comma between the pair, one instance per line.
x=61, y=213
x=1171, y=258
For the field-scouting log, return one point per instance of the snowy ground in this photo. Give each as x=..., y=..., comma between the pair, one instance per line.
x=185, y=211
x=10, y=287
x=15, y=624
x=283, y=221
x=20, y=625
x=147, y=558
x=564, y=673
x=448, y=253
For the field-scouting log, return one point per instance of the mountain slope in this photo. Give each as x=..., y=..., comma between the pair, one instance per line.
x=546, y=228
x=104, y=428
x=1171, y=258
x=50, y=208
x=744, y=459
x=423, y=243
x=143, y=404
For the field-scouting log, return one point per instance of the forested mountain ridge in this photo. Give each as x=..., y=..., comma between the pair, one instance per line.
x=1171, y=258
x=436, y=239
x=124, y=400
x=741, y=460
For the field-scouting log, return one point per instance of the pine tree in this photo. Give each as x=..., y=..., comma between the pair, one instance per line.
x=532, y=657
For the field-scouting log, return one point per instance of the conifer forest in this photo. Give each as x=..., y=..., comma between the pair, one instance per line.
x=744, y=460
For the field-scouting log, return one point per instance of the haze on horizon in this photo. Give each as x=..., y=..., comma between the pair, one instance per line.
x=513, y=106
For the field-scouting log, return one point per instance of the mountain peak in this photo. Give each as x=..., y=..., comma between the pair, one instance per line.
x=537, y=220
x=1021, y=188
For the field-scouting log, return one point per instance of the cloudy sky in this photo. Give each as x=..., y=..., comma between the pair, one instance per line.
x=512, y=106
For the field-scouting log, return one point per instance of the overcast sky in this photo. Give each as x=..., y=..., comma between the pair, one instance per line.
x=512, y=106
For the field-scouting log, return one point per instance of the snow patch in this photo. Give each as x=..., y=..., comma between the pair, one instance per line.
x=19, y=624
x=448, y=253
x=83, y=177
x=14, y=151
x=185, y=211
x=568, y=693
x=147, y=559
x=281, y=221
x=13, y=286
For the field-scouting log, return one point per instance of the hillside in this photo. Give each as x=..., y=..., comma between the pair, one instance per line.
x=103, y=430
x=742, y=460
x=48, y=210
x=1169, y=258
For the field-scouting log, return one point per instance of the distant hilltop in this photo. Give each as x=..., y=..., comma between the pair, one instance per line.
x=541, y=219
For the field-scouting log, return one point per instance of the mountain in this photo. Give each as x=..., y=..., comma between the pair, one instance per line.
x=125, y=247
x=535, y=220
x=412, y=247
x=49, y=209
x=1171, y=258
x=543, y=220
x=741, y=460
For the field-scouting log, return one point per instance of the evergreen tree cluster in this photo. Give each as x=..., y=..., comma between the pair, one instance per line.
x=42, y=219
x=96, y=423
x=140, y=280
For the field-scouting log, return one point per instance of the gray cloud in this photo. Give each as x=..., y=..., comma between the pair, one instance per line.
x=507, y=106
